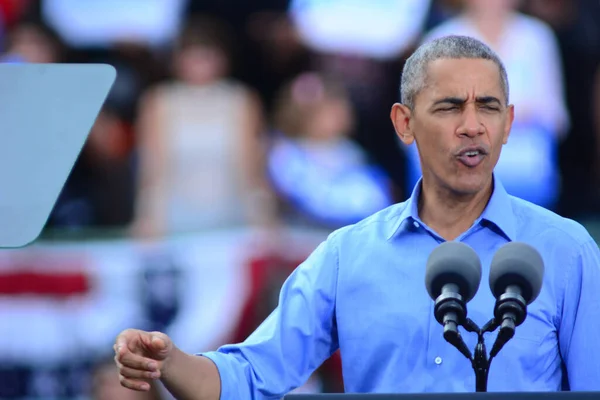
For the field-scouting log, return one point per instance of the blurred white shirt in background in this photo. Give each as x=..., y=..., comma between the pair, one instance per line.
x=380, y=29
x=99, y=23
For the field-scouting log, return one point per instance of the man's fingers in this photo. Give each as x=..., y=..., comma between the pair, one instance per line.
x=154, y=342
x=146, y=339
x=124, y=339
x=132, y=373
x=157, y=344
x=131, y=360
x=120, y=343
x=120, y=349
x=134, y=384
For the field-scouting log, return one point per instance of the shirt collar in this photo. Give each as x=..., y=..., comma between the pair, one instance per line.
x=499, y=211
x=409, y=213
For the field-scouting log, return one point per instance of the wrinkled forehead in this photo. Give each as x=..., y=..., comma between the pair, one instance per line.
x=463, y=77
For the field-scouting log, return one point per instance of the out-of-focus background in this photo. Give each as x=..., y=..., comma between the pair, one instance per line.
x=237, y=136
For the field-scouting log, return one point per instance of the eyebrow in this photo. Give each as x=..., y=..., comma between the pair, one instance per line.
x=460, y=101
x=488, y=100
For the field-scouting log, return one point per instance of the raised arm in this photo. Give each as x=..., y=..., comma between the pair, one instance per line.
x=278, y=357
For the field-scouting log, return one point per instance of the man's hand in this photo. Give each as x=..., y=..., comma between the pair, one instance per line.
x=141, y=357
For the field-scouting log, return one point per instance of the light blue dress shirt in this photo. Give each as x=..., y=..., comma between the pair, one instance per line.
x=362, y=291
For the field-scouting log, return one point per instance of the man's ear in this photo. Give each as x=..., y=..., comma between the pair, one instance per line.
x=400, y=116
x=510, y=117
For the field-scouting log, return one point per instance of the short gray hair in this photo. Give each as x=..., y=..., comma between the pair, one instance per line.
x=414, y=74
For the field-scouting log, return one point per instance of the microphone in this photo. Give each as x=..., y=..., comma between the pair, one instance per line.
x=516, y=275
x=452, y=277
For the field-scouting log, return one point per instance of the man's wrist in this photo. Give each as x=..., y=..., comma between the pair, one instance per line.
x=170, y=362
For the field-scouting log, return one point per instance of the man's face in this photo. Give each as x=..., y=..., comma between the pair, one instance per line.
x=459, y=122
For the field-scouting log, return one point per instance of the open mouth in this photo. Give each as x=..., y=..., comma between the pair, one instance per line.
x=471, y=158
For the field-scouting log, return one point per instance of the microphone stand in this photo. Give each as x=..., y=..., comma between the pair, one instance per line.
x=480, y=362
x=450, y=311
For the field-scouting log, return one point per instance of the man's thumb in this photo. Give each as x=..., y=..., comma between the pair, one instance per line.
x=158, y=344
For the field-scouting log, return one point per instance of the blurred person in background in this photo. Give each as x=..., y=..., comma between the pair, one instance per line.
x=33, y=41
x=529, y=164
x=323, y=177
x=441, y=11
x=98, y=192
x=12, y=11
x=364, y=44
x=577, y=27
x=200, y=156
x=269, y=51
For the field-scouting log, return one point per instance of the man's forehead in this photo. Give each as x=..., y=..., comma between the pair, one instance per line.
x=457, y=64
x=462, y=71
x=463, y=77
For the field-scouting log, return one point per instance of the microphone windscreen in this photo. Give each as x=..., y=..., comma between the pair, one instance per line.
x=519, y=264
x=453, y=262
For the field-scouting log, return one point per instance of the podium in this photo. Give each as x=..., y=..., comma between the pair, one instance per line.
x=452, y=396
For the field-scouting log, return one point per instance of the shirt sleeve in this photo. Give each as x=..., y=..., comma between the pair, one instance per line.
x=579, y=333
x=298, y=336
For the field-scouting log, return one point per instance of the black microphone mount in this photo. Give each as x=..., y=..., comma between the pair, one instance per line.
x=510, y=311
x=450, y=311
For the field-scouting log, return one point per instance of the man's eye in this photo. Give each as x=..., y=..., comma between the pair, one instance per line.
x=490, y=108
x=451, y=108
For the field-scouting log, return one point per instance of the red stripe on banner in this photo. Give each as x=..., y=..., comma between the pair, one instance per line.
x=43, y=284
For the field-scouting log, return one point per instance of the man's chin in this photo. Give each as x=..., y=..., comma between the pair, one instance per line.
x=470, y=185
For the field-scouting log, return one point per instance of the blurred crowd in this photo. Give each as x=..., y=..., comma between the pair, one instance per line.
x=275, y=113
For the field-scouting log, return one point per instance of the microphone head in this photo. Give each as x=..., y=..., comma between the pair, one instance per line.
x=453, y=262
x=518, y=264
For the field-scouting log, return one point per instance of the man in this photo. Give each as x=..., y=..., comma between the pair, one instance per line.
x=362, y=290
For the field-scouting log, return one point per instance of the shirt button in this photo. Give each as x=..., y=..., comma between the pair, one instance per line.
x=416, y=224
x=438, y=360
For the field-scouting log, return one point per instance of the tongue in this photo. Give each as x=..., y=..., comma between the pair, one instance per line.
x=472, y=161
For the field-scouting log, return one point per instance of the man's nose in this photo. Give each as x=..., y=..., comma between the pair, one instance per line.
x=471, y=125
